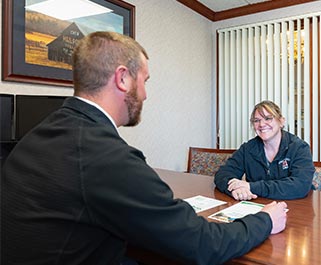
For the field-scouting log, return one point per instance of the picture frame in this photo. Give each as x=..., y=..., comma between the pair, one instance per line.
x=37, y=45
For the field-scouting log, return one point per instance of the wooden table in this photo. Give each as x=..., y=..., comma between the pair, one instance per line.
x=299, y=243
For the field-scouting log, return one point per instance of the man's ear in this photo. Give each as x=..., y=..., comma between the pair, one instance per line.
x=120, y=77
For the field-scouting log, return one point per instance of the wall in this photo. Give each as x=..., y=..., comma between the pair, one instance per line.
x=177, y=112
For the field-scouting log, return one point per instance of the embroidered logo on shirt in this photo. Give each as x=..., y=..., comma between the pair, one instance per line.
x=284, y=163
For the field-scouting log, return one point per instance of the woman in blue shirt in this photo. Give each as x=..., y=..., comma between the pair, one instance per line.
x=276, y=163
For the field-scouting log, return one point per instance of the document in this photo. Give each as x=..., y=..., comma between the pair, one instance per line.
x=236, y=211
x=202, y=203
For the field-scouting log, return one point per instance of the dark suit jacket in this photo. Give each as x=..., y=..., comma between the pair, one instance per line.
x=74, y=192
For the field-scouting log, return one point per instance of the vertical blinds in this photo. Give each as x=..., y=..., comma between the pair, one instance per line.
x=278, y=61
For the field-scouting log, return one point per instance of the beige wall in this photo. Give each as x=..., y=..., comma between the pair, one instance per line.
x=177, y=113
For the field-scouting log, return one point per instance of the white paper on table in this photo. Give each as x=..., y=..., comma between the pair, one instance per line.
x=236, y=211
x=202, y=203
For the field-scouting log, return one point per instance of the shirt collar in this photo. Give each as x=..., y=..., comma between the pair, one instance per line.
x=100, y=108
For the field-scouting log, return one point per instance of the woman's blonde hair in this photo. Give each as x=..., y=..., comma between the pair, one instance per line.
x=270, y=107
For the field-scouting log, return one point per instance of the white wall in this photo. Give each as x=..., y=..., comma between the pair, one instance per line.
x=177, y=113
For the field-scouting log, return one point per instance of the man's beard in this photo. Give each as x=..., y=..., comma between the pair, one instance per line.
x=134, y=107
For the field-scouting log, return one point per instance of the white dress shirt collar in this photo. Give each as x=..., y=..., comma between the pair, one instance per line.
x=100, y=108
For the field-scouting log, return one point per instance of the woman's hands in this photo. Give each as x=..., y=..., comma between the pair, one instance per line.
x=240, y=190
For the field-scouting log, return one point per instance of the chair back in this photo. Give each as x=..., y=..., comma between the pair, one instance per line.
x=206, y=161
x=316, y=181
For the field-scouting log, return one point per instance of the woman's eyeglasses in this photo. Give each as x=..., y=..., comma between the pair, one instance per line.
x=266, y=119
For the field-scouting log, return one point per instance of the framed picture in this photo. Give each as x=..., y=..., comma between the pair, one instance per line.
x=39, y=35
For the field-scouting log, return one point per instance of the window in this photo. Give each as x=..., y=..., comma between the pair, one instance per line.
x=278, y=61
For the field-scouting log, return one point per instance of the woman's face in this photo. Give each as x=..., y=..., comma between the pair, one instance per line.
x=266, y=126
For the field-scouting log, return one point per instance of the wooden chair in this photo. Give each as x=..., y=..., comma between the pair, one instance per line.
x=316, y=182
x=206, y=161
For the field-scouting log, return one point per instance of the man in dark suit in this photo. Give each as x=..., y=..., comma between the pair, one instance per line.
x=74, y=192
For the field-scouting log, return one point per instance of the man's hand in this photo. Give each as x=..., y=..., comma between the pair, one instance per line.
x=278, y=214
